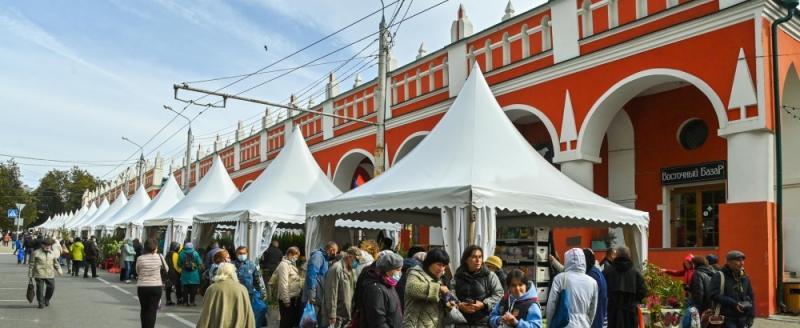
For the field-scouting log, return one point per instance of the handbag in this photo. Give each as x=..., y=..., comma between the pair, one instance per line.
x=560, y=318
x=31, y=291
x=163, y=270
x=712, y=319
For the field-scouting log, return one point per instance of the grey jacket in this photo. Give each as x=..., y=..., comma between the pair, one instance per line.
x=339, y=286
x=44, y=264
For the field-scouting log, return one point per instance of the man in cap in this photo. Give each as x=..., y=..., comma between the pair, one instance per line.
x=42, y=267
x=732, y=291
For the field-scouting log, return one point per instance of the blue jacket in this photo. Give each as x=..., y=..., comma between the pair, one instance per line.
x=315, y=272
x=533, y=319
x=602, y=298
x=190, y=277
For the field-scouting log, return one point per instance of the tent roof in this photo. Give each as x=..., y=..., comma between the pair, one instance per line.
x=117, y=205
x=283, y=189
x=136, y=203
x=100, y=211
x=475, y=156
x=63, y=220
x=214, y=189
x=169, y=195
x=77, y=221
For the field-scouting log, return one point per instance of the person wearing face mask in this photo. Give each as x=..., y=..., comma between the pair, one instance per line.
x=339, y=285
x=520, y=306
x=250, y=277
x=317, y=267
x=424, y=291
x=477, y=288
x=289, y=285
x=377, y=304
x=42, y=267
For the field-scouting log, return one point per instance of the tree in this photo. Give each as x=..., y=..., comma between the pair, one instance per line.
x=52, y=194
x=79, y=181
x=13, y=192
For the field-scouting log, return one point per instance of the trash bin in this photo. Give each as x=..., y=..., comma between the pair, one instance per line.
x=791, y=296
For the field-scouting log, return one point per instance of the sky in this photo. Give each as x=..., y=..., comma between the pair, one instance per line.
x=77, y=76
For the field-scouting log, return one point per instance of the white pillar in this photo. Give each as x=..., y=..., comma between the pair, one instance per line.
x=580, y=171
x=751, y=170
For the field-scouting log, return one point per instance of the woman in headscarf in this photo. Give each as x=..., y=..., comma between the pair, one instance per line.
x=226, y=303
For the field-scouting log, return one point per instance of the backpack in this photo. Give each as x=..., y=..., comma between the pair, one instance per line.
x=561, y=318
x=188, y=262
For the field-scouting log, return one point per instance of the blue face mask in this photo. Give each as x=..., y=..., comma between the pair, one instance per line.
x=355, y=264
x=397, y=275
x=242, y=257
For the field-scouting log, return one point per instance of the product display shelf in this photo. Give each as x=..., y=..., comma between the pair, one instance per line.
x=527, y=249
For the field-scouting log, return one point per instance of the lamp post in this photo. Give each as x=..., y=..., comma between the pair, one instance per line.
x=140, y=165
x=189, y=140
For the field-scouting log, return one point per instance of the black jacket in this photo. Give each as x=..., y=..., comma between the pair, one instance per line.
x=376, y=302
x=91, y=251
x=474, y=286
x=737, y=289
x=271, y=258
x=626, y=290
x=699, y=287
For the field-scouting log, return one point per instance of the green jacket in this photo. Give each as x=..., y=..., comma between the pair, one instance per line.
x=190, y=277
x=76, y=250
x=422, y=307
x=44, y=264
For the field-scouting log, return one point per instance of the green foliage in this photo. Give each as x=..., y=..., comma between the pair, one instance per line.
x=663, y=292
x=62, y=191
x=109, y=246
x=288, y=239
x=12, y=191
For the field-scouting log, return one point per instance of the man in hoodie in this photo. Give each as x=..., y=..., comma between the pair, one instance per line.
x=581, y=288
x=602, y=289
x=626, y=290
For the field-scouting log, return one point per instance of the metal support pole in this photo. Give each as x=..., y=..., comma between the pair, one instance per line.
x=790, y=6
x=380, y=100
x=188, y=160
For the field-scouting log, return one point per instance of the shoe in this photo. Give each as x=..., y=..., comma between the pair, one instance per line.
x=127, y=281
x=84, y=277
x=46, y=303
x=41, y=306
x=170, y=303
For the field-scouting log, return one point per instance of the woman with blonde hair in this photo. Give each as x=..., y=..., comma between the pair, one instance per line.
x=226, y=302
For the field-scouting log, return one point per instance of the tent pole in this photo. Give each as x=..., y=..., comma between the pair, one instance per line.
x=471, y=228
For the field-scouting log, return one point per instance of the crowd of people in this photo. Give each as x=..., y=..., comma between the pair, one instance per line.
x=365, y=286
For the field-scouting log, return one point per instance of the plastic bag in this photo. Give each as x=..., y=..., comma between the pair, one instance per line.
x=259, y=309
x=309, y=318
x=560, y=318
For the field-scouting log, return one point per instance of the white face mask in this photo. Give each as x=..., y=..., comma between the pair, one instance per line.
x=242, y=257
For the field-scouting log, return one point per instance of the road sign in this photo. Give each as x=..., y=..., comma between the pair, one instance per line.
x=13, y=213
x=18, y=222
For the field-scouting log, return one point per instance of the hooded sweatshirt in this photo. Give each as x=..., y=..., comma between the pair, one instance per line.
x=525, y=309
x=685, y=273
x=581, y=287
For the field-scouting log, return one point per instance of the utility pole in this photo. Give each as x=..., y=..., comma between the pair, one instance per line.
x=140, y=165
x=380, y=99
x=189, y=140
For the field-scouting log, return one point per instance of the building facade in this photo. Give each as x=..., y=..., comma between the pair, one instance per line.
x=660, y=105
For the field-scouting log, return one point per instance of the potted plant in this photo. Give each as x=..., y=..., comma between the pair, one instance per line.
x=665, y=298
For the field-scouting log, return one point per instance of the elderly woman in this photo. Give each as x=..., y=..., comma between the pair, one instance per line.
x=149, y=265
x=425, y=293
x=375, y=295
x=226, y=303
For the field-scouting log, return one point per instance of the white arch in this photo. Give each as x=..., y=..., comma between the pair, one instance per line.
x=604, y=110
x=349, y=160
x=401, y=149
x=551, y=129
x=247, y=184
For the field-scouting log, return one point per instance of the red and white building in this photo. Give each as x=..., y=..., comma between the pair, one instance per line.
x=660, y=105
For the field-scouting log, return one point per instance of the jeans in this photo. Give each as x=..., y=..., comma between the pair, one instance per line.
x=190, y=291
x=290, y=313
x=42, y=296
x=93, y=265
x=149, y=298
x=128, y=270
x=76, y=267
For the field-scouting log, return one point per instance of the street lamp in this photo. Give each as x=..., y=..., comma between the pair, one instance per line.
x=189, y=139
x=140, y=166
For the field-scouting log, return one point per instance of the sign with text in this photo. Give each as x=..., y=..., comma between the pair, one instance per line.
x=694, y=173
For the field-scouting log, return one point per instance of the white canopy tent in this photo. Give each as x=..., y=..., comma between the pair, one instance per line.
x=136, y=203
x=117, y=205
x=169, y=195
x=63, y=220
x=277, y=197
x=471, y=173
x=104, y=206
x=214, y=189
x=76, y=221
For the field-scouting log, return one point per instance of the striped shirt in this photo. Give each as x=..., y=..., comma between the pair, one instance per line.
x=148, y=266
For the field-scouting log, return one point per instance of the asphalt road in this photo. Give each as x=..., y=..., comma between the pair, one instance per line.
x=79, y=302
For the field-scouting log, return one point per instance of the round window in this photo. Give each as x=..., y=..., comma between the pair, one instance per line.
x=693, y=134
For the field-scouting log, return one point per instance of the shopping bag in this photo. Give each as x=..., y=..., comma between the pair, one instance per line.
x=309, y=318
x=259, y=309
x=561, y=316
x=31, y=291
